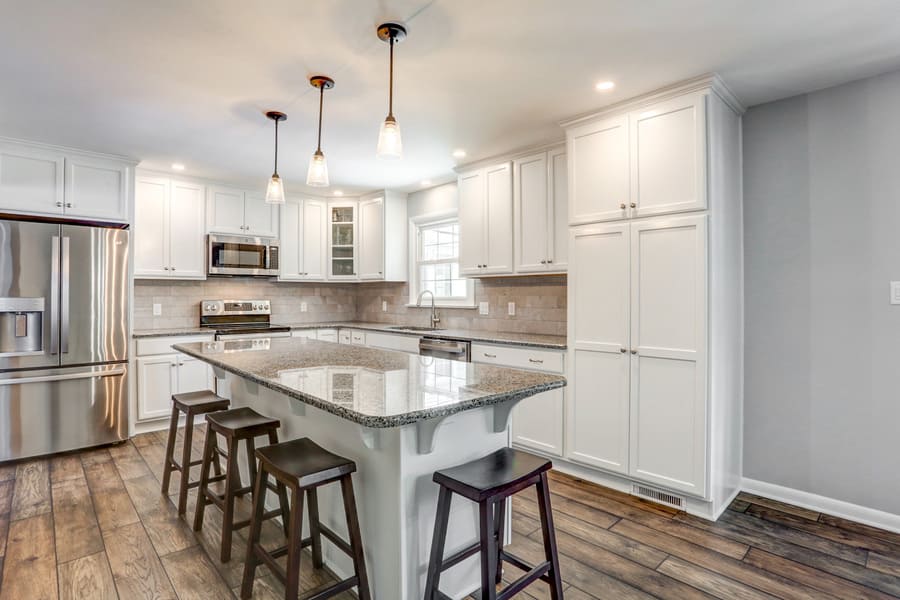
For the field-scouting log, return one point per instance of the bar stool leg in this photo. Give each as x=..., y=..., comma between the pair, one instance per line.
x=282, y=491
x=549, y=532
x=312, y=503
x=186, y=462
x=359, y=559
x=232, y=482
x=170, y=451
x=208, y=450
x=250, y=446
x=442, y=518
x=488, y=551
x=292, y=585
x=500, y=528
x=252, y=560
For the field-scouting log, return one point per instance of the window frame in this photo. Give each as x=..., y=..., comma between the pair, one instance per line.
x=416, y=224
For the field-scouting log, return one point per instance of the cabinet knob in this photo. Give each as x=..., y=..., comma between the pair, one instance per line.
x=623, y=350
x=173, y=268
x=166, y=268
x=543, y=262
x=634, y=351
x=633, y=205
x=549, y=261
x=622, y=206
x=59, y=204
x=69, y=205
x=486, y=355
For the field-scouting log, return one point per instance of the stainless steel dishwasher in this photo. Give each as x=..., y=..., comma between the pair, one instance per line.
x=449, y=349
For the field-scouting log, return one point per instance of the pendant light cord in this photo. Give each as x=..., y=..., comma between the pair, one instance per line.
x=276, y=147
x=321, y=97
x=391, y=85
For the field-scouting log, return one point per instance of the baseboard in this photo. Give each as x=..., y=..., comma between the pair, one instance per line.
x=830, y=506
x=726, y=504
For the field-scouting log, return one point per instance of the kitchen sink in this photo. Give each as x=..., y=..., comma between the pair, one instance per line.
x=413, y=328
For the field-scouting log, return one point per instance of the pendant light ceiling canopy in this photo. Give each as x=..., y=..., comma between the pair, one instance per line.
x=389, y=143
x=317, y=174
x=275, y=189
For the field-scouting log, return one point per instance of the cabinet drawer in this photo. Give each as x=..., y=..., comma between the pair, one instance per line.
x=163, y=345
x=519, y=358
x=304, y=333
x=358, y=337
x=327, y=335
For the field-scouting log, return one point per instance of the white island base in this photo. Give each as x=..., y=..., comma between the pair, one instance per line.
x=395, y=494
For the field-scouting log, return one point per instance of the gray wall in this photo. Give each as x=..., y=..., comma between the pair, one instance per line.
x=822, y=241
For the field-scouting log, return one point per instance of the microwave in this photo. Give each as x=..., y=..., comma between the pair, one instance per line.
x=240, y=255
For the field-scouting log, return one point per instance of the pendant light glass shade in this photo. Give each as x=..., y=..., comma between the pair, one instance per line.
x=389, y=143
x=317, y=175
x=275, y=190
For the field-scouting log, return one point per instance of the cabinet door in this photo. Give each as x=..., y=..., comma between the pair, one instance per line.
x=187, y=210
x=599, y=301
x=371, y=239
x=598, y=171
x=315, y=249
x=499, y=234
x=225, y=210
x=156, y=384
x=558, y=207
x=472, y=215
x=668, y=156
x=343, y=241
x=668, y=333
x=537, y=423
x=151, y=231
x=532, y=230
x=260, y=217
x=290, y=259
x=194, y=375
x=97, y=189
x=31, y=180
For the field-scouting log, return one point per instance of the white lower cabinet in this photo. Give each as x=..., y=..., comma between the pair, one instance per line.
x=162, y=372
x=393, y=341
x=309, y=334
x=537, y=422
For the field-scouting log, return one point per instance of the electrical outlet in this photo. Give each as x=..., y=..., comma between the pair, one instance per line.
x=483, y=308
x=303, y=307
x=895, y=292
x=511, y=309
x=384, y=306
x=157, y=310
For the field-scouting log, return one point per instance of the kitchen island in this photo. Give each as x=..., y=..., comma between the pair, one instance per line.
x=400, y=417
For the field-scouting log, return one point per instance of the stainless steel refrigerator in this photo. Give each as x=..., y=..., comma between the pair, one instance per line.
x=63, y=337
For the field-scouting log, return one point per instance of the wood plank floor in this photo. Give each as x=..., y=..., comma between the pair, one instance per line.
x=93, y=525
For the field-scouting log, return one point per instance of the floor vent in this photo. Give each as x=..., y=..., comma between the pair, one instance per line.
x=658, y=496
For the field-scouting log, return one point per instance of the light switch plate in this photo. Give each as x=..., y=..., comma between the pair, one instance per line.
x=895, y=292
x=303, y=307
x=384, y=306
x=511, y=309
x=483, y=308
x=157, y=310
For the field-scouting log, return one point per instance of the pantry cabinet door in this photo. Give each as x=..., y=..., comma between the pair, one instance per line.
x=472, y=218
x=531, y=228
x=151, y=231
x=597, y=433
x=668, y=156
x=668, y=336
x=598, y=171
x=31, y=180
x=187, y=209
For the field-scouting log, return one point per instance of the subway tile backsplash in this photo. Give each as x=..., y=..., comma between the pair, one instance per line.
x=540, y=303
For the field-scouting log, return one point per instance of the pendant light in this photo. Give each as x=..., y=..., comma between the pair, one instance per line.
x=389, y=143
x=275, y=189
x=317, y=174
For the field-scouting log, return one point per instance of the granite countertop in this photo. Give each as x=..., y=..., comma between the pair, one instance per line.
x=371, y=387
x=551, y=342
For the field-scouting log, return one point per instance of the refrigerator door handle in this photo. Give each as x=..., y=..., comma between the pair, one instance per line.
x=64, y=302
x=89, y=374
x=54, y=296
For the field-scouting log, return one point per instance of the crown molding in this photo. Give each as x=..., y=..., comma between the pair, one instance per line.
x=69, y=150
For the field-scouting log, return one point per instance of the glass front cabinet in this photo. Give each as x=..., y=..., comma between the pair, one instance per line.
x=342, y=240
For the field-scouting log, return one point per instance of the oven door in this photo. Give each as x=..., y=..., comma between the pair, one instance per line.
x=237, y=255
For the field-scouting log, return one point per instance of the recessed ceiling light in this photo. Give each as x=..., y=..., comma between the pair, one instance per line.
x=459, y=153
x=604, y=86
x=178, y=166
x=426, y=182
x=338, y=193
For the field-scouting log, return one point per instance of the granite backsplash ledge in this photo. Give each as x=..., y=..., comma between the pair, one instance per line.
x=540, y=303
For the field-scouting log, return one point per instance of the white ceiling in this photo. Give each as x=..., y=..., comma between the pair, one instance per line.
x=189, y=80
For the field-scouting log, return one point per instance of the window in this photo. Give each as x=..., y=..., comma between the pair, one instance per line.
x=436, y=264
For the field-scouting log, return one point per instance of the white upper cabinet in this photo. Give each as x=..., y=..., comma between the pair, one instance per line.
x=486, y=221
x=540, y=202
x=668, y=156
x=97, y=188
x=598, y=171
x=31, y=179
x=169, y=227
x=371, y=238
x=314, y=240
x=343, y=238
x=303, y=243
x=239, y=212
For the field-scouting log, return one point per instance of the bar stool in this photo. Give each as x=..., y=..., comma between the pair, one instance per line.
x=234, y=425
x=304, y=467
x=490, y=481
x=191, y=404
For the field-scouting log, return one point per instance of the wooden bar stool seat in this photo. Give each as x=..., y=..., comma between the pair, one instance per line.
x=234, y=425
x=190, y=405
x=304, y=466
x=489, y=482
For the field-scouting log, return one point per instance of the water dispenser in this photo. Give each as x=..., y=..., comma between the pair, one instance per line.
x=21, y=326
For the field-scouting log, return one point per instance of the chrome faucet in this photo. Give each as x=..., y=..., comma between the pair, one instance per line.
x=435, y=319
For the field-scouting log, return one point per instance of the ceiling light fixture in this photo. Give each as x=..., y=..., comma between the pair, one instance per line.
x=459, y=154
x=178, y=166
x=275, y=189
x=426, y=182
x=338, y=193
x=604, y=86
x=317, y=174
x=389, y=143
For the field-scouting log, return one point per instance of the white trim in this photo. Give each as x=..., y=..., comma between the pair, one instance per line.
x=724, y=506
x=830, y=506
x=71, y=150
x=415, y=223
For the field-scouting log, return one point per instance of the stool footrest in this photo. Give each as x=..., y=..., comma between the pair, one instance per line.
x=329, y=590
x=336, y=540
x=460, y=556
x=535, y=573
x=268, y=515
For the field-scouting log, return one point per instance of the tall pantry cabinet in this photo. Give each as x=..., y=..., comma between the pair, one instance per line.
x=655, y=296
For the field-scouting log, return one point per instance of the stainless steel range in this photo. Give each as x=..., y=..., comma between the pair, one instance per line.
x=240, y=319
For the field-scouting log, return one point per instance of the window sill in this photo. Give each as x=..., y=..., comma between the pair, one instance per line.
x=427, y=305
